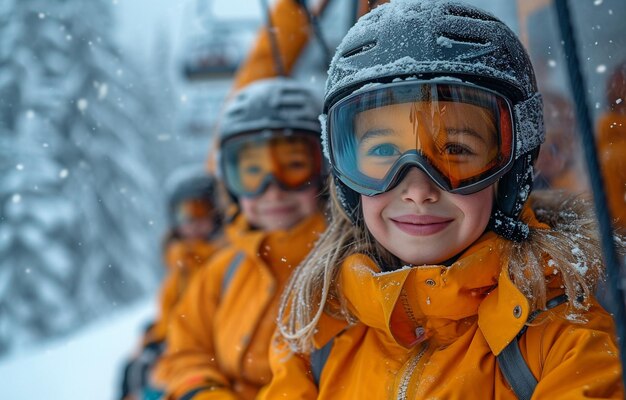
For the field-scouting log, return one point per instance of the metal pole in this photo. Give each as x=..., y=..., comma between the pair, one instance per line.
x=271, y=32
x=597, y=183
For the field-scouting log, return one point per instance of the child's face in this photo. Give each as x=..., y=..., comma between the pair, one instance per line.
x=197, y=229
x=421, y=224
x=195, y=219
x=278, y=209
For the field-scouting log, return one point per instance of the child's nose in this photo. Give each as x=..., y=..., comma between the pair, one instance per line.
x=273, y=192
x=416, y=186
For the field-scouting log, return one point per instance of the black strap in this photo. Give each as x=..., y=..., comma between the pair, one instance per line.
x=230, y=271
x=318, y=360
x=273, y=38
x=512, y=363
x=516, y=371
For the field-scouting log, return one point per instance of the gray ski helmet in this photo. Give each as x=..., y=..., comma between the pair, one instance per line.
x=190, y=182
x=276, y=103
x=270, y=104
x=448, y=41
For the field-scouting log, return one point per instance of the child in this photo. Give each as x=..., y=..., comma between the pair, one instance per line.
x=436, y=278
x=270, y=158
x=195, y=221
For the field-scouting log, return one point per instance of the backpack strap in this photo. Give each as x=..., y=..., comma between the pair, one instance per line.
x=512, y=363
x=318, y=360
x=230, y=271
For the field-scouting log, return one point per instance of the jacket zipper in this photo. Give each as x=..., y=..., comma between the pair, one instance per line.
x=408, y=373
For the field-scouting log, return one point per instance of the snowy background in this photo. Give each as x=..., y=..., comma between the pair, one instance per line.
x=95, y=113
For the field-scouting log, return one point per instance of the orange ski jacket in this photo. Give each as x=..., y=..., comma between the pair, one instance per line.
x=183, y=259
x=433, y=332
x=292, y=31
x=612, y=155
x=218, y=341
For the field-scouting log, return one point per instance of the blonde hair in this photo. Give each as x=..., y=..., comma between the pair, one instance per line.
x=314, y=281
x=572, y=244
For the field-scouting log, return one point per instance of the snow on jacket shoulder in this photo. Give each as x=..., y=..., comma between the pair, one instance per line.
x=433, y=332
x=220, y=335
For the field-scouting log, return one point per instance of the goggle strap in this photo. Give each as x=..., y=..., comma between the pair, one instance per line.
x=529, y=124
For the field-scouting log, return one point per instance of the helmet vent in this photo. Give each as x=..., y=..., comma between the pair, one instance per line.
x=360, y=49
x=469, y=13
x=290, y=107
x=287, y=92
x=237, y=112
x=455, y=37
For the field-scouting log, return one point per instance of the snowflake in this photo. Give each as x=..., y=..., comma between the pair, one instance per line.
x=82, y=104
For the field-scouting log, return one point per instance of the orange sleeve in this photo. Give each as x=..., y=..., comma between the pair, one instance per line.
x=291, y=374
x=293, y=31
x=291, y=26
x=183, y=260
x=612, y=154
x=189, y=361
x=575, y=360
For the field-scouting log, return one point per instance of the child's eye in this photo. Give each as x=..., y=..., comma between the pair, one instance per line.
x=296, y=165
x=252, y=170
x=456, y=149
x=383, y=150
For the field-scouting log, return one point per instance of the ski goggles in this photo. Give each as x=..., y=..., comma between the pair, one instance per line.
x=192, y=210
x=252, y=161
x=460, y=135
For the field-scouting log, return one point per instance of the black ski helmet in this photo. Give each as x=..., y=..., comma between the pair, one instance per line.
x=445, y=40
x=279, y=103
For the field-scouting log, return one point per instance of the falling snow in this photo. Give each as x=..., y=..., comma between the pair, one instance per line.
x=82, y=104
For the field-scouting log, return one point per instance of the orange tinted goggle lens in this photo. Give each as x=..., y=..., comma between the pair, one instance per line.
x=194, y=209
x=460, y=134
x=459, y=140
x=292, y=161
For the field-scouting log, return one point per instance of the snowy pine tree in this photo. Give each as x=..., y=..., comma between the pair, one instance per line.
x=79, y=205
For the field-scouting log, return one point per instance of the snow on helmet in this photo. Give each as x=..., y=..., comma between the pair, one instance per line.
x=444, y=41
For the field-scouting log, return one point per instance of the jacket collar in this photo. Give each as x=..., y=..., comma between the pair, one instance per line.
x=284, y=247
x=436, y=302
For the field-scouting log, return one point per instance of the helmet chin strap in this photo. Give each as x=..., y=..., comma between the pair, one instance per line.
x=508, y=227
x=512, y=192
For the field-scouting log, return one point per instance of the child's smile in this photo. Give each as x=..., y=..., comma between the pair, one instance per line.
x=421, y=224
